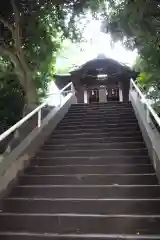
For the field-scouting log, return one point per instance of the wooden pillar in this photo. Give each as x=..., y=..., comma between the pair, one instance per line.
x=80, y=95
x=85, y=96
x=120, y=95
x=102, y=95
x=125, y=84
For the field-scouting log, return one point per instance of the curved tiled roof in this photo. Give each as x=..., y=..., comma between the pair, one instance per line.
x=102, y=66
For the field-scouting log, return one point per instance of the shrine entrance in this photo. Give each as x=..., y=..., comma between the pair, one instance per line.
x=112, y=94
x=93, y=95
x=99, y=80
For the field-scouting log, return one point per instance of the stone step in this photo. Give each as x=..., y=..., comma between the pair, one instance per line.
x=90, y=160
x=108, y=134
x=93, y=153
x=99, y=130
x=81, y=206
x=99, y=115
x=80, y=223
x=100, y=111
x=101, y=104
x=105, y=106
x=96, y=122
x=99, y=121
x=87, y=191
x=44, y=236
x=90, y=146
x=96, y=126
x=93, y=140
x=90, y=169
x=89, y=179
x=102, y=108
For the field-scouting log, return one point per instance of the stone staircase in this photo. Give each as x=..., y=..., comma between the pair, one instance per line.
x=92, y=179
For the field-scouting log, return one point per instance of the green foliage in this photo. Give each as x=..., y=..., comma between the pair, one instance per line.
x=11, y=101
x=137, y=24
x=32, y=33
x=69, y=56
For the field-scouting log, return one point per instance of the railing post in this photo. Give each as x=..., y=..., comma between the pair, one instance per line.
x=131, y=85
x=148, y=118
x=39, y=118
x=72, y=88
x=60, y=99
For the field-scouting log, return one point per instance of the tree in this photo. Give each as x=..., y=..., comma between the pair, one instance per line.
x=30, y=36
x=137, y=24
x=11, y=96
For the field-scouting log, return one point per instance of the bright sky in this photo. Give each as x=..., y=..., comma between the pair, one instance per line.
x=96, y=43
x=101, y=43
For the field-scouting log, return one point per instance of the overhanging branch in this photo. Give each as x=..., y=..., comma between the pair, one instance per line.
x=16, y=12
x=19, y=70
x=17, y=36
x=7, y=25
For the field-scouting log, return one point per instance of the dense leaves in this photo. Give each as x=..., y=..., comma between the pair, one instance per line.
x=31, y=34
x=137, y=24
x=11, y=97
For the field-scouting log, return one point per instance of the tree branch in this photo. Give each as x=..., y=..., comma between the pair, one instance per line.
x=7, y=25
x=16, y=12
x=9, y=53
x=17, y=36
x=18, y=44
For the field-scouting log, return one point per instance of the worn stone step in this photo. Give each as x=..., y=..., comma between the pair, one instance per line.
x=87, y=191
x=118, y=107
x=82, y=206
x=89, y=160
x=115, y=113
x=96, y=122
x=44, y=236
x=111, y=131
x=90, y=169
x=80, y=223
x=100, y=107
x=88, y=179
x=99, y=116
x=99, y=130
x=97, y=126
x=99, y=112
x=98, y=140
x=109, y=134
x=102, y=104
x=87, y=146
x=93, y=153
x=108, y=105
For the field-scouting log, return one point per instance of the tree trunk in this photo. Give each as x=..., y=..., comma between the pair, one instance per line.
x=30, y=92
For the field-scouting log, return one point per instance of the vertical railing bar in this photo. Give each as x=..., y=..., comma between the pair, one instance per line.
x=39, y=118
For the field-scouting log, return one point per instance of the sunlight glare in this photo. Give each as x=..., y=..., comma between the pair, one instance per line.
x=100, y=43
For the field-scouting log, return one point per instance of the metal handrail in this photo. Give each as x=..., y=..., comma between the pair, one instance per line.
x=149, y=108
x=31, y=114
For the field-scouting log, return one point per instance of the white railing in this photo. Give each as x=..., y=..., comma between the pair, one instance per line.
x=149, y=123
x=149, y=109
x=37, y=110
